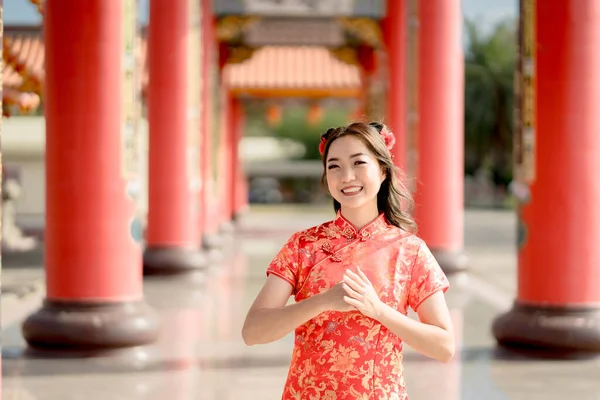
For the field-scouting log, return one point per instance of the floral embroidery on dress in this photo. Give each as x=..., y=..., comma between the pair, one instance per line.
x=348, y=233
x=346, y=355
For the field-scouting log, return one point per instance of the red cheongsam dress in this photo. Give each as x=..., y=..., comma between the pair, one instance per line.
x=346, y=355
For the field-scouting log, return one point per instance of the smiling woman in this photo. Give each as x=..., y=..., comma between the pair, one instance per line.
x=372, y=143
x=353, y=279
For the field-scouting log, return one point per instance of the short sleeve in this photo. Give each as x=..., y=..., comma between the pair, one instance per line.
x=426, y=278
x=285, y=263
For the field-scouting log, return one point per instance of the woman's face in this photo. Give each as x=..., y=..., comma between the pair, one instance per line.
x=353, y=174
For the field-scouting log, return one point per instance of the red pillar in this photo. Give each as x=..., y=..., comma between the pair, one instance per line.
x=1, y=165
x=240, y=189
x=93, y=258
x=558, y=300
x=211, y=240
x=440, y=143
x=367, y=60
x=226, y=173
x=173, y=234
x=395, y=38
x=234, y=114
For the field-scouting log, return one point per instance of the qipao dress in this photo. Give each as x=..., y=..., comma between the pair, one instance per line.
x=346, y=355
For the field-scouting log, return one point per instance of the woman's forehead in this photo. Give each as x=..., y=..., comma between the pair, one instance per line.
x=347, y=145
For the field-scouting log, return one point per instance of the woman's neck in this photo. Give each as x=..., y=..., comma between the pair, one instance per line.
x=359, y=217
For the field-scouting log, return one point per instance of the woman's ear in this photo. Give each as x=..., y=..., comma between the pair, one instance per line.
x=382, y=176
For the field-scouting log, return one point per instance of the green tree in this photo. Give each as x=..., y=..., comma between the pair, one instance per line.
x=295, y=125
x=489, y=98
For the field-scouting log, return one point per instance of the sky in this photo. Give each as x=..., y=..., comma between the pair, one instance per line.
x=490, y=12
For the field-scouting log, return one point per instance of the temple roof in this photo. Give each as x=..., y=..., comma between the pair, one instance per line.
x=273, y=71
x=293, y=72
x=14, y=92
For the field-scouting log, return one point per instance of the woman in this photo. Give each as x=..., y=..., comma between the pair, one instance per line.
x=353, y=280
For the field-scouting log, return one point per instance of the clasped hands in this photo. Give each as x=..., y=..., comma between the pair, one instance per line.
x=356, y=292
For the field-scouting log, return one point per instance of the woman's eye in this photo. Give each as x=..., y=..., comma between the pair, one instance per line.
x=332, y=166
x=359, y=162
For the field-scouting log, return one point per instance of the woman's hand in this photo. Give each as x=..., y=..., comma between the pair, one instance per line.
x=335, y=298
x=361, y=294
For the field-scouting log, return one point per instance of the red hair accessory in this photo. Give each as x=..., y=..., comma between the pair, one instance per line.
x=388, y=138
x=322, y=145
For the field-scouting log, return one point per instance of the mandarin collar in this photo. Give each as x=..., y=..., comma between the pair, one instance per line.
x=348, y=230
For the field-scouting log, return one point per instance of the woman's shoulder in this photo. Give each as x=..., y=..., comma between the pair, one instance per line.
x=405, y=237
x=409, y=242
x=315, y=232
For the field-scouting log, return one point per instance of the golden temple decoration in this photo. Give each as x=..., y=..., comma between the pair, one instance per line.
x=232, y=28
x=39, y=5
x=366, y=30
x=345, y=54
x=239, y=54
x=524, y=141
x=31, y=82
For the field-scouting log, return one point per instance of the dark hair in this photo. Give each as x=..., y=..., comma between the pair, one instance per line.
x=393, y=194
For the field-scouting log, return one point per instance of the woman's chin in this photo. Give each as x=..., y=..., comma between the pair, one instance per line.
x=351, y=204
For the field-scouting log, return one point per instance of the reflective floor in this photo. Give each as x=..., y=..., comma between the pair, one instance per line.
x=201, y=355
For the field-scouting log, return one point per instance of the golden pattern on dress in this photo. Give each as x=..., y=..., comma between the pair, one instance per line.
x=346, y=355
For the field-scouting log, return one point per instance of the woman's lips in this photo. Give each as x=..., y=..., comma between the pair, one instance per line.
x=351, y=190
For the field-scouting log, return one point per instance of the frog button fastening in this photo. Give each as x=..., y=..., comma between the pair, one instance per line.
x=348, y=233
x=327, y=247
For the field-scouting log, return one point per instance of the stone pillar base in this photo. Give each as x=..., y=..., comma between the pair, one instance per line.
x=451, y=261
x=227, y=228
x=213, y=244
x=212, y=241
x=85, y=326
x=173, y=260
x=559, y=331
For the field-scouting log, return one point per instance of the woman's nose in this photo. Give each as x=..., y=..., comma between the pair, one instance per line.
x=347, y=175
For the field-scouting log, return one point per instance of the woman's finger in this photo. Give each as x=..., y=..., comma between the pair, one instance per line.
x=353, y=283
x=357, y=304
x=356, y=277
x=362, y=275
x=351, y=292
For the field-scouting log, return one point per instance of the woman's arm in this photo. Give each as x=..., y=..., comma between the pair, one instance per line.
x=270, y=319
x=432, y=336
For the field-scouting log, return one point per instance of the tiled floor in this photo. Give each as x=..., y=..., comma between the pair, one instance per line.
x=201, y=355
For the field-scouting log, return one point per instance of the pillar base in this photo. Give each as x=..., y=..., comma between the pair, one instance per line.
x=557, y=331
x=173, y=260
x=238, y=215
x=451, y=261
x=212, y=241
x=84, y=326
x=213, y=245
x=227, y=228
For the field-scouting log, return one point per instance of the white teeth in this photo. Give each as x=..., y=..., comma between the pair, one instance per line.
x=352, y=190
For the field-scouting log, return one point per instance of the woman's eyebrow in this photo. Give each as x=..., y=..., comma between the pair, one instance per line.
x=357, y=154
x=351, y=156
